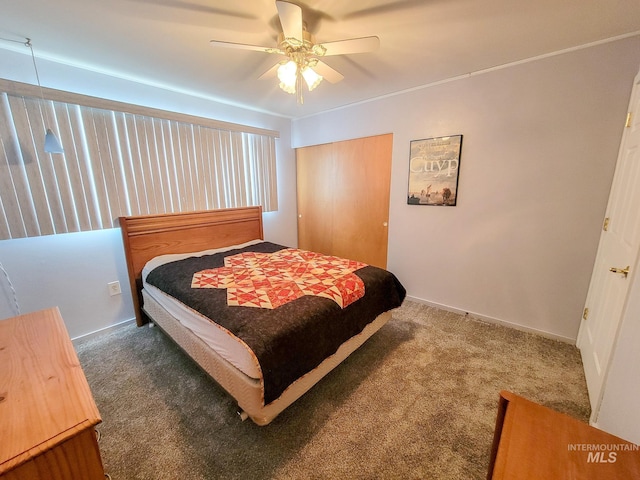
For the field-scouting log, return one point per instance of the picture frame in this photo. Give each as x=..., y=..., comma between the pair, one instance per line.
x=434, y=170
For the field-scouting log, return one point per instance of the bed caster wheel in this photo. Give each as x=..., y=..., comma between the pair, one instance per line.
x=243, y=415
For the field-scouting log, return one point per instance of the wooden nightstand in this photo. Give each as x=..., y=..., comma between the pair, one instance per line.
x=533, y=442
x=47, y=412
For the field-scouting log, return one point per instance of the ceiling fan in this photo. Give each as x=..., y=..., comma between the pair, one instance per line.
x=301, y=62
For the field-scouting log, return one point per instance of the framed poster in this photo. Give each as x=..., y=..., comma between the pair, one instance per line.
x=434, y=165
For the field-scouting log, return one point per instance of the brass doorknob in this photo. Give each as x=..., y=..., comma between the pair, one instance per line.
x=623, y=271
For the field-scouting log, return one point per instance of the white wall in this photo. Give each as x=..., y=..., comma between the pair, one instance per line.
x=72, y=270
x=539, y=150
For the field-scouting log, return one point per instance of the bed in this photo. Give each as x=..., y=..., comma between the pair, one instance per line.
x=267, y=349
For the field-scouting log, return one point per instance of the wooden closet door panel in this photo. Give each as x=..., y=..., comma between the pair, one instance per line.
x=343, y=198
x=361, y=199
x=315, y=177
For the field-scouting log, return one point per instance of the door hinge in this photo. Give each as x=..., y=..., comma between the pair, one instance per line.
x=585, y=314
x=605, y=225
x=627, y=124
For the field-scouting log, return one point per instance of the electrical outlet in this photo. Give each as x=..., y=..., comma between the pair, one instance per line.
x=114, y=288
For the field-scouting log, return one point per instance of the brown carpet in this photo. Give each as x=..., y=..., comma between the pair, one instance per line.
x=417, y=401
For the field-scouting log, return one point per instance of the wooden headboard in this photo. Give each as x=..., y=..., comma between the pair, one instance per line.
x=148, y=236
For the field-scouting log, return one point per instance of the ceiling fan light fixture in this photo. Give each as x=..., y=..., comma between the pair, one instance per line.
x=312, y=78
x=291, y=75
x=288, y=74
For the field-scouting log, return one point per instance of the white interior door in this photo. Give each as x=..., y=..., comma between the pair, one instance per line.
x=615, y=261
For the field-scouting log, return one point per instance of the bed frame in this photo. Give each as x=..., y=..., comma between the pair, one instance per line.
x=148, y=236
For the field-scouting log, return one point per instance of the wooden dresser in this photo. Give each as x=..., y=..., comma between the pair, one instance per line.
x=533, y=442
x=47, y=412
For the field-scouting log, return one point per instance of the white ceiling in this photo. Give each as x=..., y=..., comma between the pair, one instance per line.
x=166, y=42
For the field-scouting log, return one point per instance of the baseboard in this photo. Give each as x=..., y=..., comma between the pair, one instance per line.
x=497, y=321
x=104, y=330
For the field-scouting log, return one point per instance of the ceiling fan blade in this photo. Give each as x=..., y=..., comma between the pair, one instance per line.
x=243, y=46
x=353, y=45
x=270, y=73
x=290, y=19
x=328, y=73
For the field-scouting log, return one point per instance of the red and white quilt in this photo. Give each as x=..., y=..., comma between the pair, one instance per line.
x=269, y=280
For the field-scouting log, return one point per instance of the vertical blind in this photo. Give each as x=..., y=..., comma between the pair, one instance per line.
x=117, y=164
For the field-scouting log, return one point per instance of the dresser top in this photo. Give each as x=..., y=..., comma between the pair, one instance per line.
x=44, y=395
x=537, y=442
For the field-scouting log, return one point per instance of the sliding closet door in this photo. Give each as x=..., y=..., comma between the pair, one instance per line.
x=315, y=174
x=343, y=198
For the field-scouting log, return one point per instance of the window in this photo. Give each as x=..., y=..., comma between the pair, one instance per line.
x=121, y=160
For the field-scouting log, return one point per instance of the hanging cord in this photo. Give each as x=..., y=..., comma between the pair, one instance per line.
x=13, y=290
x=27, y=43
x=35, y=67
x=33, y=59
